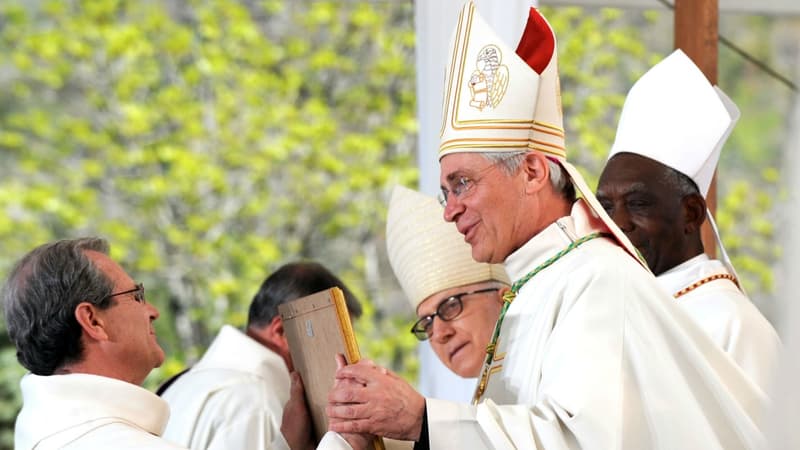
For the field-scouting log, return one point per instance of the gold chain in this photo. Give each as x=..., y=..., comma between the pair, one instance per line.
x=705, y=280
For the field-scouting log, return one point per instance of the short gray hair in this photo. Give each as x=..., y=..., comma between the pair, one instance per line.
x=40, y=297
x=510, y=163
x=682, y=184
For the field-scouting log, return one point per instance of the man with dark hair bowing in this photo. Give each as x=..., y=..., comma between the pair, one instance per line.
x=234, y=396
x=588, y=351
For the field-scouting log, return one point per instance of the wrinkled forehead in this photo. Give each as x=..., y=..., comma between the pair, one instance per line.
x=631, y=171
x=454, y=165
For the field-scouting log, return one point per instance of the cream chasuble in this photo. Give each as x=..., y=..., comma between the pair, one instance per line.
x=82, y=411
x=726, y=315
x=593, y=354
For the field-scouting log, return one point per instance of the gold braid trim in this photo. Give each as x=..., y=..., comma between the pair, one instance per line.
x=705, y=280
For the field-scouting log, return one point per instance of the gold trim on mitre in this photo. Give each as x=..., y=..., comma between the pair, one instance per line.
x=508, y=122
x=427, y=254
x=529, y=115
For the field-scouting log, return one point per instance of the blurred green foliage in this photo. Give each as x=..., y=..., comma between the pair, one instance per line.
x=211, y=141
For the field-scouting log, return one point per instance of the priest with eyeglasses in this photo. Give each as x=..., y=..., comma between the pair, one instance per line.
x=588, y=350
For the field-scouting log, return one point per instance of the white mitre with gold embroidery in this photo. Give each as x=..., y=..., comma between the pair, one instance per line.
x=673, y=115
x=499, y=100
x=491, y=93
x=427, y=254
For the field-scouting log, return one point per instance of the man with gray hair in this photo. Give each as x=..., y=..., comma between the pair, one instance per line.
x=588, y=352
x=83, y=328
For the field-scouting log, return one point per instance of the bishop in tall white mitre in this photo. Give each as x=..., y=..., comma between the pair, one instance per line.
x=590, y=347
x=589, y=352
x=671, y=132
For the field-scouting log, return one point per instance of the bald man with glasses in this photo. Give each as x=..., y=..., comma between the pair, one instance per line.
x=457, y=300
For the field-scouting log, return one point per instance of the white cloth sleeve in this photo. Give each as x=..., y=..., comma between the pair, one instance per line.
x=333, y=441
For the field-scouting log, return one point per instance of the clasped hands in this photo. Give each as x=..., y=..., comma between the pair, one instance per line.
x=366, y=401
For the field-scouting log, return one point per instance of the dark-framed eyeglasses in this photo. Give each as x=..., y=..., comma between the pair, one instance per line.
x=448, y=309
x=137, y=291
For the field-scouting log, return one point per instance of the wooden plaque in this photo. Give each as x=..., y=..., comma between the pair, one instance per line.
x=318, y=327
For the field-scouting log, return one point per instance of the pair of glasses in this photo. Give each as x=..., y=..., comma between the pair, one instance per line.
x=137, y=291
x=448, y=309
x=459, y=188
x=464, y=184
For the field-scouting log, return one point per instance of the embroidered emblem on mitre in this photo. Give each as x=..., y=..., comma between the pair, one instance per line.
x=496, y=99
x=489, y=80
x=427, y=254
x=530, y=118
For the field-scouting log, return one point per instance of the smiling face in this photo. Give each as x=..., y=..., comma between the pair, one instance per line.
x=460, y=343
x=636, y=192
x=485, y=213
x=131, y=336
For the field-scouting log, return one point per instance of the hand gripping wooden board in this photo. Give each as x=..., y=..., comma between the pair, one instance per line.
x=318, y=327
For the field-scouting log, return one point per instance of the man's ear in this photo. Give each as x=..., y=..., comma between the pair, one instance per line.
x=273, y=337
x=91, y=322
x=694, y=212
x=275, y=327
x=276, y=335
x=537, y=171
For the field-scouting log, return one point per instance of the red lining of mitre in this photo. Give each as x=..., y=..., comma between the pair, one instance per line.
x=537, y=43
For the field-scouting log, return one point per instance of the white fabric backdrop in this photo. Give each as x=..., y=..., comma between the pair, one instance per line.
x=783, y=431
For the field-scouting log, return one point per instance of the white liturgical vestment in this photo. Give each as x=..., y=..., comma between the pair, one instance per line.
x=726, y=315
x=593, y=354
x=232, y=398
x=88, y=412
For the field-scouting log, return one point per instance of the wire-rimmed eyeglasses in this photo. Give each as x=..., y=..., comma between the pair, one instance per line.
x=464, y=184
x=137, y=291
x=459, y=188
x=448, y=309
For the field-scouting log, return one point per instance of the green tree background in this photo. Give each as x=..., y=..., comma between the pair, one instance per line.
x=212, y=141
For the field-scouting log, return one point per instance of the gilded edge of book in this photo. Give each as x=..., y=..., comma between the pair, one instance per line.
x=346, y=327
x=349, y=337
